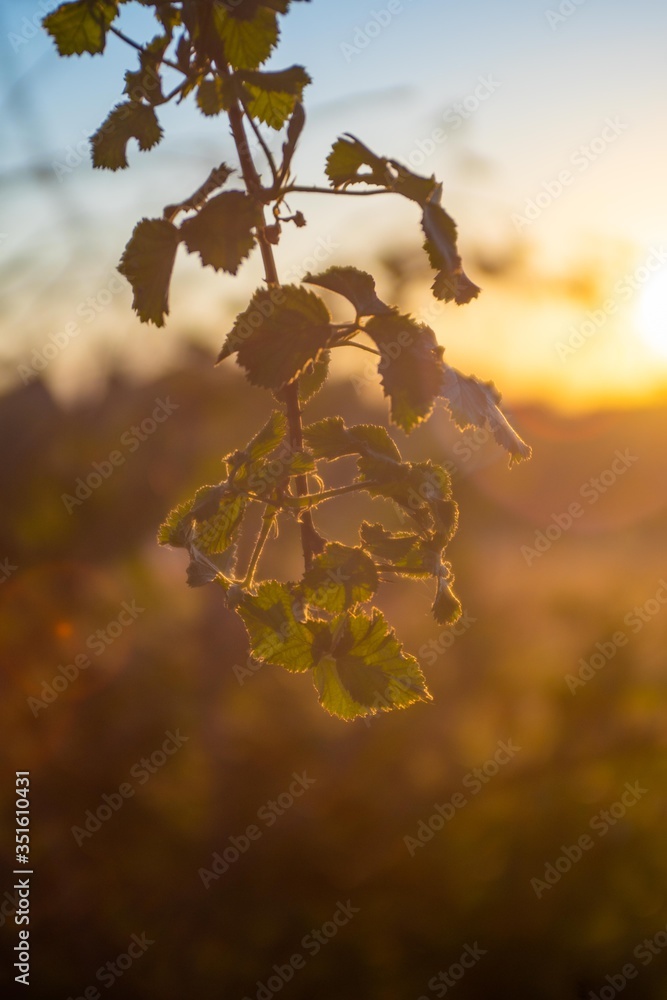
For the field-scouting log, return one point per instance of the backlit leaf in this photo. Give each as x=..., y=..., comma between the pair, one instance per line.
x=358, y=287
x=276, y=635
x=339, y=578
x=367, y=670
x=474, y=403
x=248, y=42
x=451, y=283
x=221, y=232
x=281, y=332
x=273, y=96
x=410, y=366
x=130, y=120
x=147, y=263
x=346, y=161
x=81, y=26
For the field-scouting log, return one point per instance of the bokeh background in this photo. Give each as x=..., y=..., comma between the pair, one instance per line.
x=572, y=327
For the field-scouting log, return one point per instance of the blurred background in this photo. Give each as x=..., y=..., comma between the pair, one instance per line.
x=545, y=125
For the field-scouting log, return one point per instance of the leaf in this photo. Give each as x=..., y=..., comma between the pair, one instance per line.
x=273, y=96
x=294, y=130
x=313, y=377
x=130, y=120
x=446, y=607
x=215, y=533
x=214, y=96
x=346, y=159
x=331, y=439
x=367, y=671
x=414, y=186
x=203, y=568
x=358, y=287
x=221, y=232
x=416, y=487
x=282, y=331
x=276, y=636
x=147, y=263
x=81, y=26
x=270, y=436
x=473, y=403
x=175, y=529
x=410, y=366
x=145, y=83
x=404, y=551
x=248, y=43
x=451, y=283
x=339, y=578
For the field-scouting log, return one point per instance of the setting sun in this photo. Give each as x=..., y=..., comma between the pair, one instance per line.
x=652, y=313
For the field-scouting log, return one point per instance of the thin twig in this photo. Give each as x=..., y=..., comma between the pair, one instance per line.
x=318, y=190
x=135, y=45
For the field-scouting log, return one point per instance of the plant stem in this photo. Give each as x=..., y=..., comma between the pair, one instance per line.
x=309, y=537
x=313, y=189
x=268, y=519
x=353, y=343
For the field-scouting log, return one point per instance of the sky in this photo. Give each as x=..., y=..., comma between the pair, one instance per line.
x=544, y=121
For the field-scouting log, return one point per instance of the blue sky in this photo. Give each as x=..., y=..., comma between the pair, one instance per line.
x=388, y=73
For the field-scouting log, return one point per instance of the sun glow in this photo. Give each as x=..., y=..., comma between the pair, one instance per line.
x=652, y=314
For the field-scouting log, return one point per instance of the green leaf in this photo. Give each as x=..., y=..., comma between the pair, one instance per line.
x=416, y=487
x=358, y=287
x=474, y=403
x=276, y=635
x=221, y=232
x=446, y=607
x=203, y=568
x=214, y=96
x=405, y=552
x=273, y=96
x=214, y=534
x=175, y=529
x=281, y=332
x=147, y=263
x=339, y=578
x=345, y=162
x=367, y=671
x=81, y=26
x=146, y=84
x=451, y=283
x=130, y=120
x=248, y=43
x=313, y=377
x=331, y=439
x=270, y=436
x=410, y=366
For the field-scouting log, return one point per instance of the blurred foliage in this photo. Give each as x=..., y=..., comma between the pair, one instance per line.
x=183, y=666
